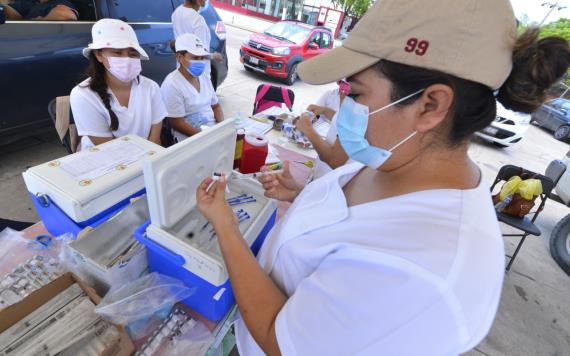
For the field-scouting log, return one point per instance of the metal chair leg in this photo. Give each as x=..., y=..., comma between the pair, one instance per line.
x=516, y=252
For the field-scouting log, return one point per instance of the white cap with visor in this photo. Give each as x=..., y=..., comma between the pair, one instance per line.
x=112, y=33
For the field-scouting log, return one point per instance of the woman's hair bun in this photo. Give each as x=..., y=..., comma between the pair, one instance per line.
x=537, y=65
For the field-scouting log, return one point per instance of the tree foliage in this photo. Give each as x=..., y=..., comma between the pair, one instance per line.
x=559, y=28
x=355, y=8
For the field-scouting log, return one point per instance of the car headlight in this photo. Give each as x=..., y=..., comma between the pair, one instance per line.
x=281, y=51
x=246, y=41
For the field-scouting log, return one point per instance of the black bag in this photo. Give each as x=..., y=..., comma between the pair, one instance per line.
x=166, y=137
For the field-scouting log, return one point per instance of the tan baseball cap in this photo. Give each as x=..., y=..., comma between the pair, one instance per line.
x=470, y=39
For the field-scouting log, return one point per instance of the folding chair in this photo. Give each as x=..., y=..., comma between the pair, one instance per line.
x=555, y=171
x=61, y=115
x=524, y=224
x=270, y=95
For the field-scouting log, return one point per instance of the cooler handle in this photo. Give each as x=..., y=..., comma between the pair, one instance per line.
x=42, y=199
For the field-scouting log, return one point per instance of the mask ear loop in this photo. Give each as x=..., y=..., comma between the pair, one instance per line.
x=403, y=141
x=396, y=102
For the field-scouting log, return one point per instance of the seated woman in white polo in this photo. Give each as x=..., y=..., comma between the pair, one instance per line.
x=188, y=93
x=116, y=100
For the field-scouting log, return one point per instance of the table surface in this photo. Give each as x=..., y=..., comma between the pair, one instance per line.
x=285, y=150
x=276, y=139
x=288, y=152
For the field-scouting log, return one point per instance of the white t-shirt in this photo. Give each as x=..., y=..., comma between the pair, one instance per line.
x=92, y=118
x=183, y=100
x=416, y=274
x=330, y=99
x=187, y=20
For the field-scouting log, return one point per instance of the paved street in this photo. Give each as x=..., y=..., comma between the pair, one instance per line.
x=534, y=316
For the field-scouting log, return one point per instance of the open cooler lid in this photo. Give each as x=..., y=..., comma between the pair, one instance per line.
x=84, y=176
x=172, y=176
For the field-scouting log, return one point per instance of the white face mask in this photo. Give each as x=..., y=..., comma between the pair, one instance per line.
x=125, y=69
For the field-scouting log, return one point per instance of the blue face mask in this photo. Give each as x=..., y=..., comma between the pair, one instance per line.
x=352, y=123
x=197, y=68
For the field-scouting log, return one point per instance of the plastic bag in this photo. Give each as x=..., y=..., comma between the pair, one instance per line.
x=141, y=298
x=510, y=187
x=195, y=341
x=17, y=249
x=529, y=188
x=73, y=262
x=26, y=264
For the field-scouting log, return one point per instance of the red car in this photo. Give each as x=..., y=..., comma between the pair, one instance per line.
x=278, y=50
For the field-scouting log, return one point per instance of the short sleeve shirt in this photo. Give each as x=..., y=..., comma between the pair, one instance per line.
x=330, y=99
x=30, y=9
x=183, y=100
x=145, y=109
x=416, y=274
x=187, y=20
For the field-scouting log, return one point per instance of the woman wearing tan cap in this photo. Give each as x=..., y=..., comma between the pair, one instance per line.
x=399, y=253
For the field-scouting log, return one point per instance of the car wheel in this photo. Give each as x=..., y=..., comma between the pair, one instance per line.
x=562, y=133
x=292, y=75
x=560, y=244
x=500, y=145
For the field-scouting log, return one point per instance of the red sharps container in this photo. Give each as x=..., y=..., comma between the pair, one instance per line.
x=255, y=149
x=240, y=138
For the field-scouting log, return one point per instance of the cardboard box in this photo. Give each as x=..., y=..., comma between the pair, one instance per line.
x=20, y=310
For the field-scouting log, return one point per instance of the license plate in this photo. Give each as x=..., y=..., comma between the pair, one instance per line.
x=253, y=60
x=490, y=131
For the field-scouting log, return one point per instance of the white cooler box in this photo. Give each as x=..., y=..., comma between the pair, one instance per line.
x=179, y=241
x=86, y=188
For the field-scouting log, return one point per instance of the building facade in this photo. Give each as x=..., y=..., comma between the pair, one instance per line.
x=314, y=12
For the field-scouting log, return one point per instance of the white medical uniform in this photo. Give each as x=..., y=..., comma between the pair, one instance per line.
x=416, y=274
x=92, y=117
x=330, y=99
x=187, y=20
x=183, y=100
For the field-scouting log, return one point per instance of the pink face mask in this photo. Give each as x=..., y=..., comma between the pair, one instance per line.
x=343, y=87
x=125, y=69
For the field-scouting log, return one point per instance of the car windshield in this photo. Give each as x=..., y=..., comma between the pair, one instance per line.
x=288, y=32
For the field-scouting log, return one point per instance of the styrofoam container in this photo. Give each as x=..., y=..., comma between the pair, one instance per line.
x=94, y=255
x=68, y=202
x=180, y=234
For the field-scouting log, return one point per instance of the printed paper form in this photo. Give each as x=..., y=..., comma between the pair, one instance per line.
x=258, y=127
x=90, y=164
x=273, y=111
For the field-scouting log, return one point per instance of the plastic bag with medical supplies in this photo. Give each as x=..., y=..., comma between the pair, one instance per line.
x=517, y=196
x=141, y=298
x=26, y=264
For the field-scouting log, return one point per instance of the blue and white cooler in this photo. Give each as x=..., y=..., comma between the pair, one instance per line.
x=88, y=187
x=180, y=242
